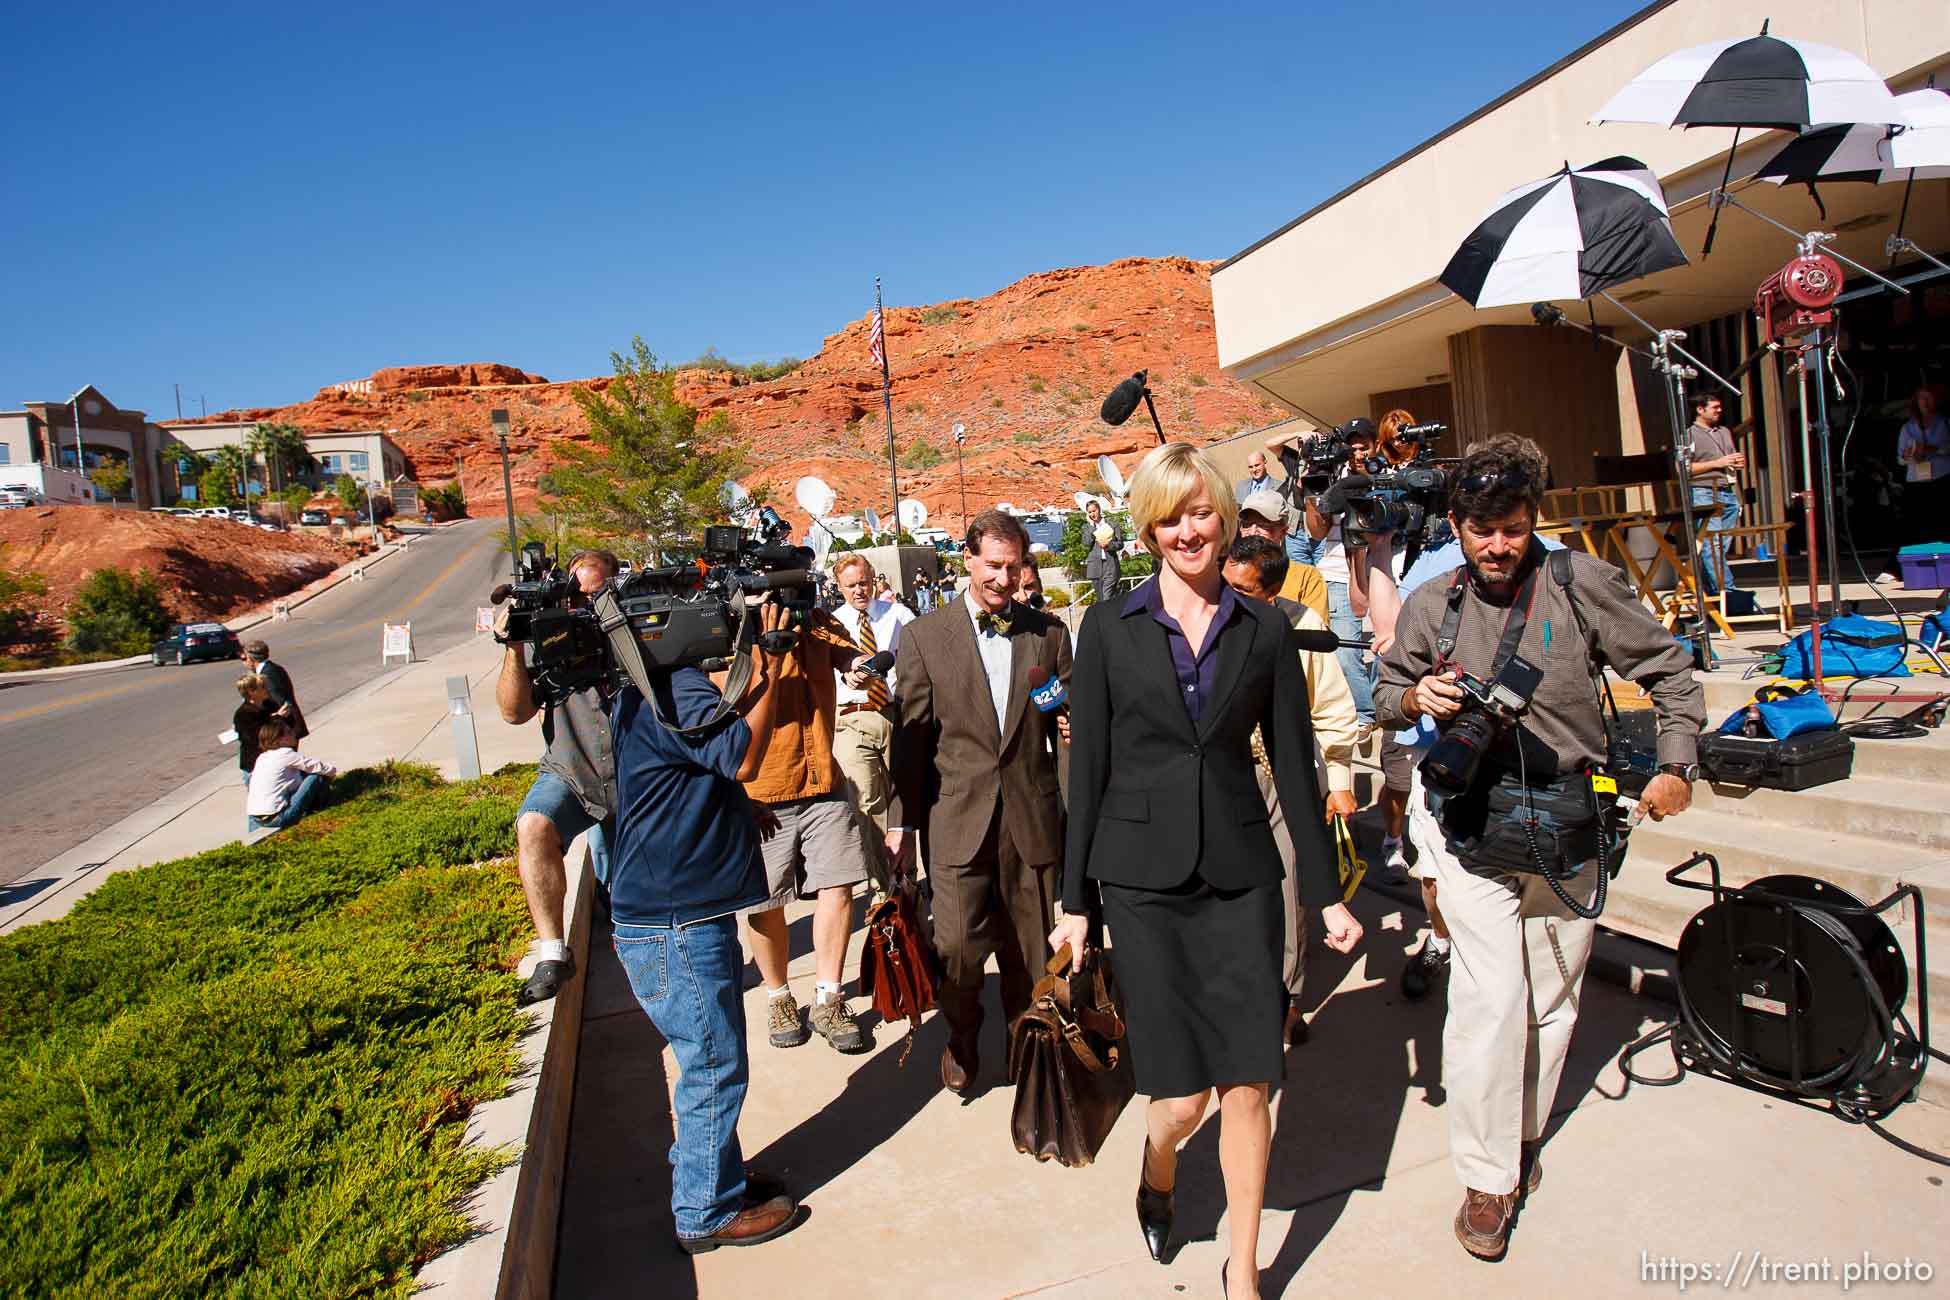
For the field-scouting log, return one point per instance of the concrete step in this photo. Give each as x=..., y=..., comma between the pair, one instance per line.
x=1884, y=808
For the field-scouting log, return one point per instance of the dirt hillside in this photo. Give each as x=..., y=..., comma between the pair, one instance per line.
x=205, y=567
x=1024, y=369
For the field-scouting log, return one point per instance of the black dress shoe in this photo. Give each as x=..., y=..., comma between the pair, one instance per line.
x=1154, y=1210
x=546, y=981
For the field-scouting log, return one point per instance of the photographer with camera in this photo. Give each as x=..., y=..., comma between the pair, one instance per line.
x=1504, y=656
x=573, y=794
x=685, y=862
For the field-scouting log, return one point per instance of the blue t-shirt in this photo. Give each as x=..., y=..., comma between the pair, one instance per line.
x=1439, y=563
x=686, y=847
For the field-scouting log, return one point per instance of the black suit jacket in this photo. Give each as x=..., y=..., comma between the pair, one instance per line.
x=278, y=683
x=1155, y=797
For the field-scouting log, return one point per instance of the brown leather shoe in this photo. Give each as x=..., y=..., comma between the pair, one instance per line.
x=1295, y=1031
x=958, y=1068
x=1483, y=1223
x=751, y=1225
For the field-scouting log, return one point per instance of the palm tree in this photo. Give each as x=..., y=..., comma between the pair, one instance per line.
x=231, y=464
x=282, y=449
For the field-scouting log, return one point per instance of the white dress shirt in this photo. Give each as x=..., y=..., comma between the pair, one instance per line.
x=996, y=655
x=888, y=617
x=277, y=776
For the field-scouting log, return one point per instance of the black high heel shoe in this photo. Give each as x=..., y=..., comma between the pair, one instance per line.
x=1154, y=1211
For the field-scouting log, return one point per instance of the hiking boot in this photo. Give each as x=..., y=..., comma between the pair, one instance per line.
x=834, y=1022
x=1483, y=1223
x=545, y=981
x=751, y=1225
x=783, y=1017
x=1424, y=969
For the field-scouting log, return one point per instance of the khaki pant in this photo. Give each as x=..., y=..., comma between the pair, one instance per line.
x=1514, y=978
x=861, y=742
x=1293, y=968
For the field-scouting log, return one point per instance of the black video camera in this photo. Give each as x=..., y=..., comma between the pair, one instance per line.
x=1489, y=710
x=681, y=615
x=1410, y=500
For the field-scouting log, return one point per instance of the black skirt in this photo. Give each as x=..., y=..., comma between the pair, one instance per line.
x=1199, y=971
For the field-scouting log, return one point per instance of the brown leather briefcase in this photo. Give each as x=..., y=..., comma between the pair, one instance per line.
x=1067, y=1062
x=898, y=968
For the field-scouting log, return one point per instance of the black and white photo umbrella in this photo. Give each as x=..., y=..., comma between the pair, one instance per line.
x=1924, y=141
x=1755, y=81
x=1569, y=235
x=1857, y=152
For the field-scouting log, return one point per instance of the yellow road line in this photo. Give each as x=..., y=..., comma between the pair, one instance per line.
x=92, y=696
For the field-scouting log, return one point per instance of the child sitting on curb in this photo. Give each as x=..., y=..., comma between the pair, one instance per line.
x=285, y=785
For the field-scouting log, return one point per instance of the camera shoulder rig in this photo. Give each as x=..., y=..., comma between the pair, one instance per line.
x=615, y=625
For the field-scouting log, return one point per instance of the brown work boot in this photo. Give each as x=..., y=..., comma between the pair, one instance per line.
x=834, y=1022
x=1483, y=1223
x=958, y=1067
x=782, y=1018
x=1530, y=1167
x=751, y=1225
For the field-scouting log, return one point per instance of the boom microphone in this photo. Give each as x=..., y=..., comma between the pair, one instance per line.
x=1123, y=399
x=1316, y=638
x=1047, y=691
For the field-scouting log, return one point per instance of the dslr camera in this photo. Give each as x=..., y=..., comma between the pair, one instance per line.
x=688, y=614
x=1489, y=710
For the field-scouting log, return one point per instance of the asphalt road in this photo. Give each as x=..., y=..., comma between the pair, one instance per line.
x=78, y=754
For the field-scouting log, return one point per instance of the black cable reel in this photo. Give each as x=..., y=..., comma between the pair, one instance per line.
x=1793, y=986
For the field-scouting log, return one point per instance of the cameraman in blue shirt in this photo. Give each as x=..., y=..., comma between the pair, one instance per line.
x=685, y=861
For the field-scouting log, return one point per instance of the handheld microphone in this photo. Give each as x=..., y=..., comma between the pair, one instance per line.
x=1123, y=399
x=1315, y=638
x=880, y=665
x=1047, y=691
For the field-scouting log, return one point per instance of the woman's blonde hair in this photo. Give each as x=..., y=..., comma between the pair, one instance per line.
x=1170, y=476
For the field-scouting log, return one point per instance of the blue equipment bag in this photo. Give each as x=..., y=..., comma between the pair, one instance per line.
x=1851, y=646
x=1785, y=713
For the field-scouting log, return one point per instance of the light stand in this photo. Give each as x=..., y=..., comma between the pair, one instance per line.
x=961, y=436
x=499, y=416
x=1897, y=244
x=1675, y=365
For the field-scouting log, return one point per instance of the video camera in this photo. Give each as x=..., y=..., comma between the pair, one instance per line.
x=689, y=614
x=1407, y=500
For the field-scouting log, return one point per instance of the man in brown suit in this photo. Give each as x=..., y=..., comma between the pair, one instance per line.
x=974, y=774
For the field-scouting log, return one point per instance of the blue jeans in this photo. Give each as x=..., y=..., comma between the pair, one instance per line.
x=1302, y=549
x=303, y=800
x=1714, y=509
x=552, y=798
x=688, y=980
x=1360, y=676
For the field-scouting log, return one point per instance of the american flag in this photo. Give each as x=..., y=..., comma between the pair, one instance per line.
x=875, y=338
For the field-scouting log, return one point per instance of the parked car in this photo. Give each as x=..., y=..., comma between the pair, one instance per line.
x=313, y=518
x=188, y=641
x=182, y=512
x=343, y=521
x=17, y=497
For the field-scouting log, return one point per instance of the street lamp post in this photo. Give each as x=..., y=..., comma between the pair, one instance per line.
x=961, y=436
x=500, y=417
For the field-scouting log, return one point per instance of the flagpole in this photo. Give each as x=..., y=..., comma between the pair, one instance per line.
x=887, y=402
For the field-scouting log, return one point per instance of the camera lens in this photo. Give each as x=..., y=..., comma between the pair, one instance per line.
x=1455, y=757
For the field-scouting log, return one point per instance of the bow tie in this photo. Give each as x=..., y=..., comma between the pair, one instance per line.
x=993, y=624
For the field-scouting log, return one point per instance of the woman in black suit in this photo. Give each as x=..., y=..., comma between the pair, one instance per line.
x=1169, y=837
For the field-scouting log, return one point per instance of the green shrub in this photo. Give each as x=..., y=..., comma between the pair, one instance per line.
x=117, y=611
x=940, y=315
x=921, y=454
x=247, y=1072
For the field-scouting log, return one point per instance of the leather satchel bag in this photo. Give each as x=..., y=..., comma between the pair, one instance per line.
x=898, y=968
x=1067, y=1062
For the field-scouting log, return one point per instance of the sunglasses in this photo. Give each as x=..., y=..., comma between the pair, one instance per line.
x=1513, y=479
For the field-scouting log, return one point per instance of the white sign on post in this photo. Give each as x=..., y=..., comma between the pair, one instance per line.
x=397, y=641
x=483, y=618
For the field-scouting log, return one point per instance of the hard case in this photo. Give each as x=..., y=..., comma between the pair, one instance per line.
x=1809, y=759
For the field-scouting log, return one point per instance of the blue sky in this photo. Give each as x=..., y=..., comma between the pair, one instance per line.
x=257, y=200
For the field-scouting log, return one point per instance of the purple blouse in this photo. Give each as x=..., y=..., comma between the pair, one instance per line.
x=1197, y=672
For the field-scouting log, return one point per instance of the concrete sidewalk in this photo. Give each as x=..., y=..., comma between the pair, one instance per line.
x=912, y=1192
x=400, y=714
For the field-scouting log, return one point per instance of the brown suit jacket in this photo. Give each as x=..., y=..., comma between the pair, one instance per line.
x=950, y=766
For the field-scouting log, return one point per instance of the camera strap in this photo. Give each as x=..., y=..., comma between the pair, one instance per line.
x=624, y=648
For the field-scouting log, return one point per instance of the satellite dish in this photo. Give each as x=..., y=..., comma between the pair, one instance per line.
x=814, y=495
x=1113, y=477
x=1005, y=507
x=735, y=496
x=1083, y=499
x=913, y=515
x=873, y=521
x=821, y=542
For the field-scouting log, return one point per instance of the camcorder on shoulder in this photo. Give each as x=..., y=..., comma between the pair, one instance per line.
x=1408, y=500
x=681, y=615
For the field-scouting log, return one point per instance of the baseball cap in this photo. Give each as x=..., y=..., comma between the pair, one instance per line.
x=1266, y=503
x=1360, y=427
